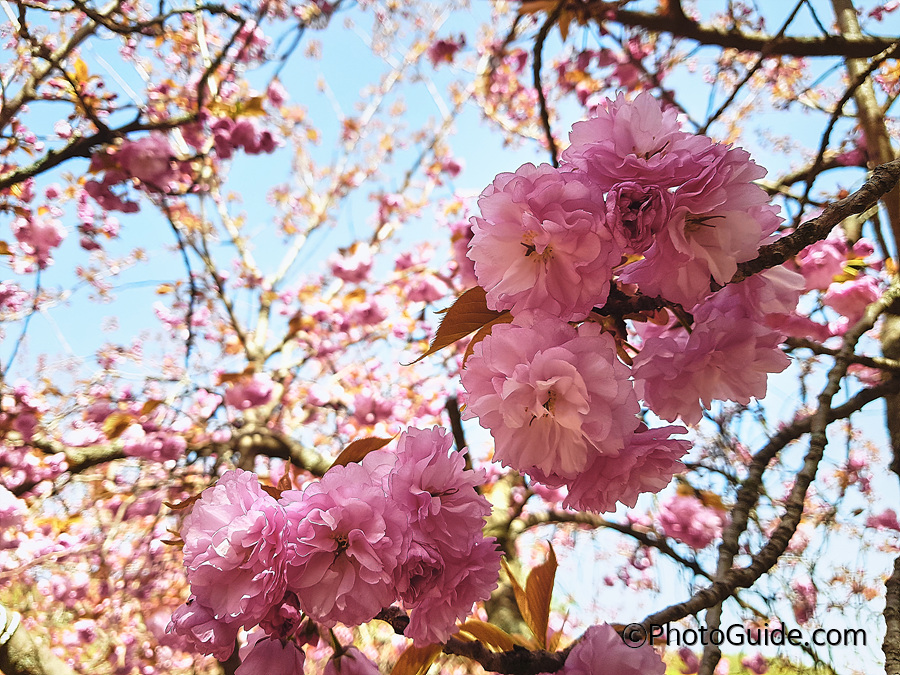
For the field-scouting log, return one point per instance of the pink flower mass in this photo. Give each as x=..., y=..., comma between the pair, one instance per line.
x=554, y=397
x=689, y=520
x=234, y=549
x=542, y=243
x=344, y=540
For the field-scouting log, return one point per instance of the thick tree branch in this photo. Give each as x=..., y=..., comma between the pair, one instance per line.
x=891, y=644
x=768, y=556
x=882, y=180
x=681, y=26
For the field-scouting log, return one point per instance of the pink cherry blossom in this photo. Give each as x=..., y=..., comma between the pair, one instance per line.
x=250, y=392
x=431, y=484
x=450, y=564
x=601, y=650
x=354, y=265
x=822, y=261
x=542, y=243
x=37, y=236
x=148, y=159
x=443, y=51
x=443, y=588
x=12, y=509
x=234, y=549
x=635, y=141
x=196, y=624
x=850, y=298
x=552, y=397
x=344, y=540
x=646, y=464
x=689, y=520
x=757, y=664
x=886, y=520
x=727, y=356
x=803, y=600
x=635, y=214
x=264, y=654
x=715, y=224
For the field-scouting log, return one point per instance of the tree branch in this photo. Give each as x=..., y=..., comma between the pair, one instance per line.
x=829, y=45
x=891, y=644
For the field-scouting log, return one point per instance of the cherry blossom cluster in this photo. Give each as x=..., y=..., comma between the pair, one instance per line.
x=404, y=526
x=644, y=207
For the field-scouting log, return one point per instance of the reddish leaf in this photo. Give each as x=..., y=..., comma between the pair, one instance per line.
x=469, y=313
x=358, y=449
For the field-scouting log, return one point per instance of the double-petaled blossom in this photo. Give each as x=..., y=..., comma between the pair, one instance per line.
x=728, y=355
x=542, y=242
x=688, y=205
x=646, y=464
x=345, y=538
x=450, y=564
x=601, y=650
x=635, y=141
x=552, y=396
x=234, y=549
x=265, y=654
x=719, y=219
x=195, y=624
x=690, y=521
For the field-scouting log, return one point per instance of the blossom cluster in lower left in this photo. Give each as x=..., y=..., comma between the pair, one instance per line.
x=404, y=526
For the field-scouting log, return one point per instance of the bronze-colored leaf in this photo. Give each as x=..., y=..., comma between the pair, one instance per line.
x=187, y=503
x=273, y=492
x=150, y=406
x=116, y=423
x=519, y=592
x=483, y=332
x=284, y=483
x=358, y=449
x=538, y=591
x=416, y=660
x=4, y=248
x=489, y=634
x=469, y=313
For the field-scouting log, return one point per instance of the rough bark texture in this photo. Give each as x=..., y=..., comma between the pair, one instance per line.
x=891, y=644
